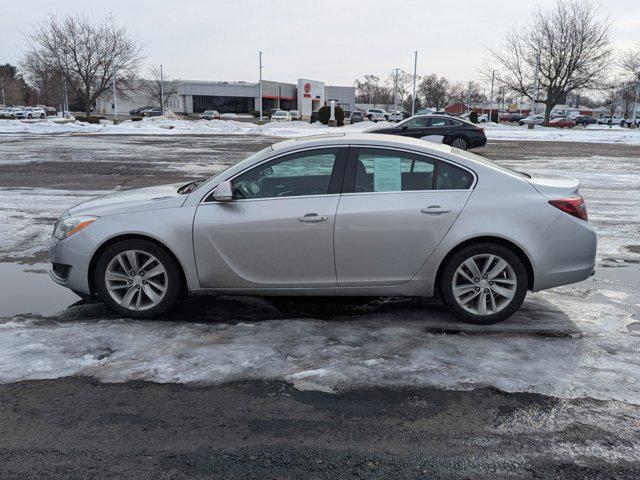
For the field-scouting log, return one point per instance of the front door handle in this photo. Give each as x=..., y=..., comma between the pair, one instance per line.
x=435, y=209
x=312, y=218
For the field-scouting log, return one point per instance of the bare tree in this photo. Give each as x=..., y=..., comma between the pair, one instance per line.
x=87, y=52
x=436, y=91
x=630, y=63
x=13, y=85
x=403, y=84
x=157, y=87
x=45, y=79
x=568, y=46
x=371, y=91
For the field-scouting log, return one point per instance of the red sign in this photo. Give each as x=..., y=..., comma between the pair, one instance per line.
x=307, y=90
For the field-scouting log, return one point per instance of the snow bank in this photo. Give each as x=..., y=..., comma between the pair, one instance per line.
x=178, y=126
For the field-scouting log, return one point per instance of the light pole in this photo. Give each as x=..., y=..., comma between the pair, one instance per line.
x=415, y=70
x=65, y=108
x=635, y=101
x=395, y=90
x=161, y=91
x=113, y=85
x=2, y=88
x=493, y=77
x=260, y=85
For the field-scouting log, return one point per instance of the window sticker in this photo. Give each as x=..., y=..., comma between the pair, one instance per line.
x=387, y=176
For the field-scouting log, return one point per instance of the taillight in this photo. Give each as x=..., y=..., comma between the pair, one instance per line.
x=573, y=206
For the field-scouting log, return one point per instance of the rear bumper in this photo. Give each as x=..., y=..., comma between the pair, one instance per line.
x=477, y=142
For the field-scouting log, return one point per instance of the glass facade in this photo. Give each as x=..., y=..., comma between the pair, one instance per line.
x=223, y=104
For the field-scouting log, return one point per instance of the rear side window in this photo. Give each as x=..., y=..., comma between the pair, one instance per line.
x=379, y=170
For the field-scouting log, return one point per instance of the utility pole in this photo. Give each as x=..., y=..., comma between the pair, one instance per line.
x=469, y=107
x=535, y=86
x=161, y=91
x=415, y=70
x=113, y=85
x=493, y=77
x=635, y=102
x=395, y=90
x=260, y=86
x=2, y=88
x=65, y=109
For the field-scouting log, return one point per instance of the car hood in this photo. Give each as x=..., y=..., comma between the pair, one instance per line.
x=139, y=199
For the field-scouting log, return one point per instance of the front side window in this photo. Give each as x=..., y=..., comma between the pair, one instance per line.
x=419, y=122
x=305, y=173
x=379, y=170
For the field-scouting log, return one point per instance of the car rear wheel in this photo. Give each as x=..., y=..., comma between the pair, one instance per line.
x=484, y=283
x=137, y=278
x=460, y=142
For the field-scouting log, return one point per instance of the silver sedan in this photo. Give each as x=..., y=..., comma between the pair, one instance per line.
x=360, y=215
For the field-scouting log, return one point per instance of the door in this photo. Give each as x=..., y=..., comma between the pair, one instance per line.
x=278, y=230
x=400, y=206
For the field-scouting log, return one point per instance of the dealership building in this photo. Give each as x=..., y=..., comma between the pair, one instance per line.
x=193, y=96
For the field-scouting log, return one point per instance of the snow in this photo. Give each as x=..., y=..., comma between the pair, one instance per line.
x=556, y=345
x=178, y=126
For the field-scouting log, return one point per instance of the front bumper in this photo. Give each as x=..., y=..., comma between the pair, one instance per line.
x=74, y=252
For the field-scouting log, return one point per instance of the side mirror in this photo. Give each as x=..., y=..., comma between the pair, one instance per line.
x=223, y=192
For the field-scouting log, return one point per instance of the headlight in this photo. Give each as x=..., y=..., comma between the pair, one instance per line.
x=71, y=225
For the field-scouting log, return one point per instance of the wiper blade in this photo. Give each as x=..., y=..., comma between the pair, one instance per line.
x=190, y=187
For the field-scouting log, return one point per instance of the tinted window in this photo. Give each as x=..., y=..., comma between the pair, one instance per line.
x=389, y=171
x=306, y=173
x=450, y=177
x=440, y=122
x=419, y=122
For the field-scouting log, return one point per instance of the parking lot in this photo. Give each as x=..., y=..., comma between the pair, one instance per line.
x=377, y=388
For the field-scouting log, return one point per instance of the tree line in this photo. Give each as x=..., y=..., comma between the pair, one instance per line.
x=563, y=54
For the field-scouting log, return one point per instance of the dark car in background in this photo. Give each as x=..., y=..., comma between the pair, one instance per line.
x=584, y=120
x=512, y=117
x=443, y=128
x=356, y=117
x=315, y=116
x=138, y=111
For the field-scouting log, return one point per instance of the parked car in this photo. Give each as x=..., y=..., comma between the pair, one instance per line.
x=357, y=117
x=424, y=111
x=295, y=114
x=612, y=120
x=228, y=116
x=378, y=113
x=512, y=117
x=323, y=214
x=532, y=120
x=315, y=116
x=561, y=122
x=152, y=112
x=439, y=128
x=210, y=115
x=10, y=112
x=281, y=116
x=136, y=112
x=395, y=116
x=30, y=112
x=584, y=120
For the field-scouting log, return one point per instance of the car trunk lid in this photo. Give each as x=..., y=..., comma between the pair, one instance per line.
x=555, y=186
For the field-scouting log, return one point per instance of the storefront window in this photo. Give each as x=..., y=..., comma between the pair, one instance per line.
x=223, y=104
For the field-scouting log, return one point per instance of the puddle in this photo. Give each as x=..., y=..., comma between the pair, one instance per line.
x=28, y=289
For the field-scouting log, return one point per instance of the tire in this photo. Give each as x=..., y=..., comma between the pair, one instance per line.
x=504, y=304
x=30, y=116
x=146, y=297
x=460, y=142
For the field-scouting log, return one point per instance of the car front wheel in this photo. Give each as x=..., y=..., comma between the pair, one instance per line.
x=484, y=283
x=137, y=278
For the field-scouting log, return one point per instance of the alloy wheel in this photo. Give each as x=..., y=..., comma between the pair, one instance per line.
x=136, y=280
x=484, y=284
x=460, y=143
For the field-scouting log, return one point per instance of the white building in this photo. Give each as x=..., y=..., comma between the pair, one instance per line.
x=196, y=96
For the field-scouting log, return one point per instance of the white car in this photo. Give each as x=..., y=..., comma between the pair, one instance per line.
x=281, y=116
x=210, y=115
x=228, y=116
x=532, y=120
x=10, y=112
x=295, y=114
x=31, y=112
x=395, y=116
x=377, y=114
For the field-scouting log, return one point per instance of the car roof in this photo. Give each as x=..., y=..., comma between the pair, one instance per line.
x=374, y=139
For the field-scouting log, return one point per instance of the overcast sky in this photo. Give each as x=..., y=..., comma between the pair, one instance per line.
x=332, y=41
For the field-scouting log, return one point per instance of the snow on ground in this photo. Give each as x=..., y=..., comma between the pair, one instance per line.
x=27, y=216
x=556, y=345
x=177, y=126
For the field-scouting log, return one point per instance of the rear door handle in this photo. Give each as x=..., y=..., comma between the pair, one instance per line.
x=312, y=218
x=435, y=209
